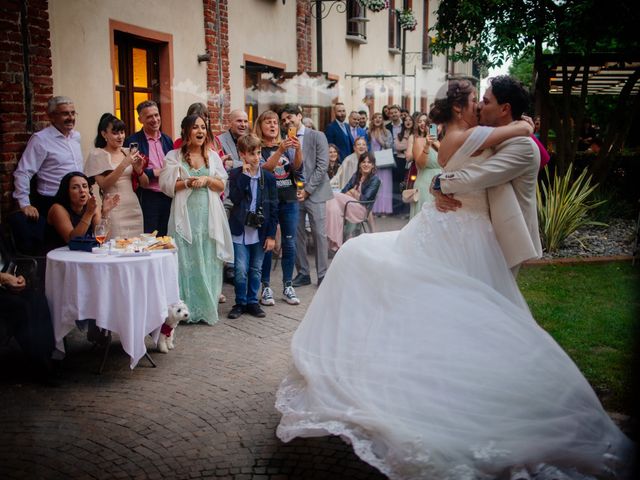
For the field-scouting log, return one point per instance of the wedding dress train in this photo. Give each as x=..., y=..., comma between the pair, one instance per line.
x=419, y=349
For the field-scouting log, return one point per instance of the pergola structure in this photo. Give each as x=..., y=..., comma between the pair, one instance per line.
x=608, y=73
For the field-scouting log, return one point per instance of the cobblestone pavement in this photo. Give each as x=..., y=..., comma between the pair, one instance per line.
x=206, y=411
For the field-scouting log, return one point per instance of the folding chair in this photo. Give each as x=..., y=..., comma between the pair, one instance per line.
x=354, y=229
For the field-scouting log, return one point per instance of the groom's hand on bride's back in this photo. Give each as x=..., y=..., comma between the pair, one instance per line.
x=444, y=203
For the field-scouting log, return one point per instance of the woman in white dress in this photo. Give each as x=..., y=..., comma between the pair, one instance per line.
x=112, y=167
x=420, y=351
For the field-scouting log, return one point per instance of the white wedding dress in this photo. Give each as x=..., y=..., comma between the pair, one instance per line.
x=419, y=349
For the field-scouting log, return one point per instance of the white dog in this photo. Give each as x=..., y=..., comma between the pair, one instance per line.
x=177, y=312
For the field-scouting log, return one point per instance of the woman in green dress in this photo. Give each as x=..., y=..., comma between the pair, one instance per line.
x=425, y=156
x=195, y=177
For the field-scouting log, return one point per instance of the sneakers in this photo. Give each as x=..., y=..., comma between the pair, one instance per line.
x=289, y=295
x=267, y=297
x=255, y=310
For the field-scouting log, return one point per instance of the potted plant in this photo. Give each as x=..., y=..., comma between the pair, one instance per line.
x=374, y=5
x=407, y=19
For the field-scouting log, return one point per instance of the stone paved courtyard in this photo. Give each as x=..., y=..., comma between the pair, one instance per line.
x=206, y=411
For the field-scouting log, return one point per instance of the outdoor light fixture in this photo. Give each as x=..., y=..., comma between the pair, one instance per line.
x=204, y=57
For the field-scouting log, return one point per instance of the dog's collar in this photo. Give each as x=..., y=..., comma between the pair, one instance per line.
x=166, y=330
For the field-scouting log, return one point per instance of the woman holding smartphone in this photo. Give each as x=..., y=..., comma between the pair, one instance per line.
x=283, y=158
x=425, y=155
x=113, y=166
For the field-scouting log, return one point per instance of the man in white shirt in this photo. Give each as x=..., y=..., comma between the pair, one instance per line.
x=50, y=154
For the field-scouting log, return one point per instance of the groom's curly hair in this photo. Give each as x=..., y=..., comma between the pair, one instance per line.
x=457, y=94
x=511, y=91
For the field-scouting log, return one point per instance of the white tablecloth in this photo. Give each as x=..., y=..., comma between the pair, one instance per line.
x=127, y=295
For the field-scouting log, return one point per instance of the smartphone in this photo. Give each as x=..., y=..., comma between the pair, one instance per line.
x=292, y=133
x=433, y=130
x=133, y=147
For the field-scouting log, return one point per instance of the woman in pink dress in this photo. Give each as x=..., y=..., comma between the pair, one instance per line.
x=362, y=187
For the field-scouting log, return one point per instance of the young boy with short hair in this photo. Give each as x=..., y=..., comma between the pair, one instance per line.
x=253, y=220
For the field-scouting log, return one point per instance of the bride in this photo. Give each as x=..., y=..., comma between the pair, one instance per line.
x=420, y=351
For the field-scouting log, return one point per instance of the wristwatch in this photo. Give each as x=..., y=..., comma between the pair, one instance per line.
x=436, y=183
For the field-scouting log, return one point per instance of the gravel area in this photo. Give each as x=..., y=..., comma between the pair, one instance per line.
x=594, y=241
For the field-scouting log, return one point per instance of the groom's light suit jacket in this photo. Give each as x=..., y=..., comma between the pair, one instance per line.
x=509, y=176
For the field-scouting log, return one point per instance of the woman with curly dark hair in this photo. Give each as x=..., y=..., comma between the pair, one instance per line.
x=194, y=177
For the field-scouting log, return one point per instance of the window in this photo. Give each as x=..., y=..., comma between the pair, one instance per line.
x=141, y=62
x=427, y=58
x=135, y=76
x=406, y=102
x=395, y=32
x=423, y=101
x=261, y=83
x=356, y=23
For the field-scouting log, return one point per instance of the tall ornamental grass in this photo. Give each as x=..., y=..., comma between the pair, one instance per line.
x=563, y=206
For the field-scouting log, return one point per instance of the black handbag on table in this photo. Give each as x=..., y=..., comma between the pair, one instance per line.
x=84, y=244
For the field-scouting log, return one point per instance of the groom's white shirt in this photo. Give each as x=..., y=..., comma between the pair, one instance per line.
x=510, y=177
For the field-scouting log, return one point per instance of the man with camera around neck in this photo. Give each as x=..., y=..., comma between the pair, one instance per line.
x=253, y=221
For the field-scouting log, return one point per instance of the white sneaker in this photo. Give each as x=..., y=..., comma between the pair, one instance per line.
x=267, y=297
x=289, y=295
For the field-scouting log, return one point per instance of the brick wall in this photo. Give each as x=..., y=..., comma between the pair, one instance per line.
x=23, y=25
x=303, y=35
x=216, y=33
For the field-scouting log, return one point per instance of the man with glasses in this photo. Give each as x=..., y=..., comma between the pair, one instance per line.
x=50, y=154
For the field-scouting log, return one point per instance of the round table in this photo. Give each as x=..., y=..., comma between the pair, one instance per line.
x=127, y=295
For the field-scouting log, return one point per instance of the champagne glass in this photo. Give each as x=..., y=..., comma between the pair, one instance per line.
x=299, y=188
x=101, y=230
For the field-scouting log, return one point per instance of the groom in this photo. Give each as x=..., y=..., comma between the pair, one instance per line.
x=509, y=176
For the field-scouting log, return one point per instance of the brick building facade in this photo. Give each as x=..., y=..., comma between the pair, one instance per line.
x=216, y=31
x=26, y=83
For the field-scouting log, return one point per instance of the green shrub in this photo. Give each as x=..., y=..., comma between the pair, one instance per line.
x=563, y=206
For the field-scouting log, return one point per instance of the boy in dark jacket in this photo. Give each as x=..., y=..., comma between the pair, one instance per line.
x=252, y=221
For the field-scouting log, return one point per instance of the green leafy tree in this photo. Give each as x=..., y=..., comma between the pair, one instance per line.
x=522, y=67
x=489, y=31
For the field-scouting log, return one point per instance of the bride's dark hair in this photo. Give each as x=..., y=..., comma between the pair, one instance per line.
x=458, y=91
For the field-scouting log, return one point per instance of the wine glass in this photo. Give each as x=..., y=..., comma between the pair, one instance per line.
x=101, y=230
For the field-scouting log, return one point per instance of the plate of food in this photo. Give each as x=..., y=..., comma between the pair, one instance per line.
x=162, y=244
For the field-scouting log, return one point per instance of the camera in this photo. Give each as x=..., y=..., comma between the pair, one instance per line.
x=254, y=219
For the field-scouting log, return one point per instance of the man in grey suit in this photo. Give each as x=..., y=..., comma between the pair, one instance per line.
x=238, y=126
x=510, y=176
x=314, y=195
